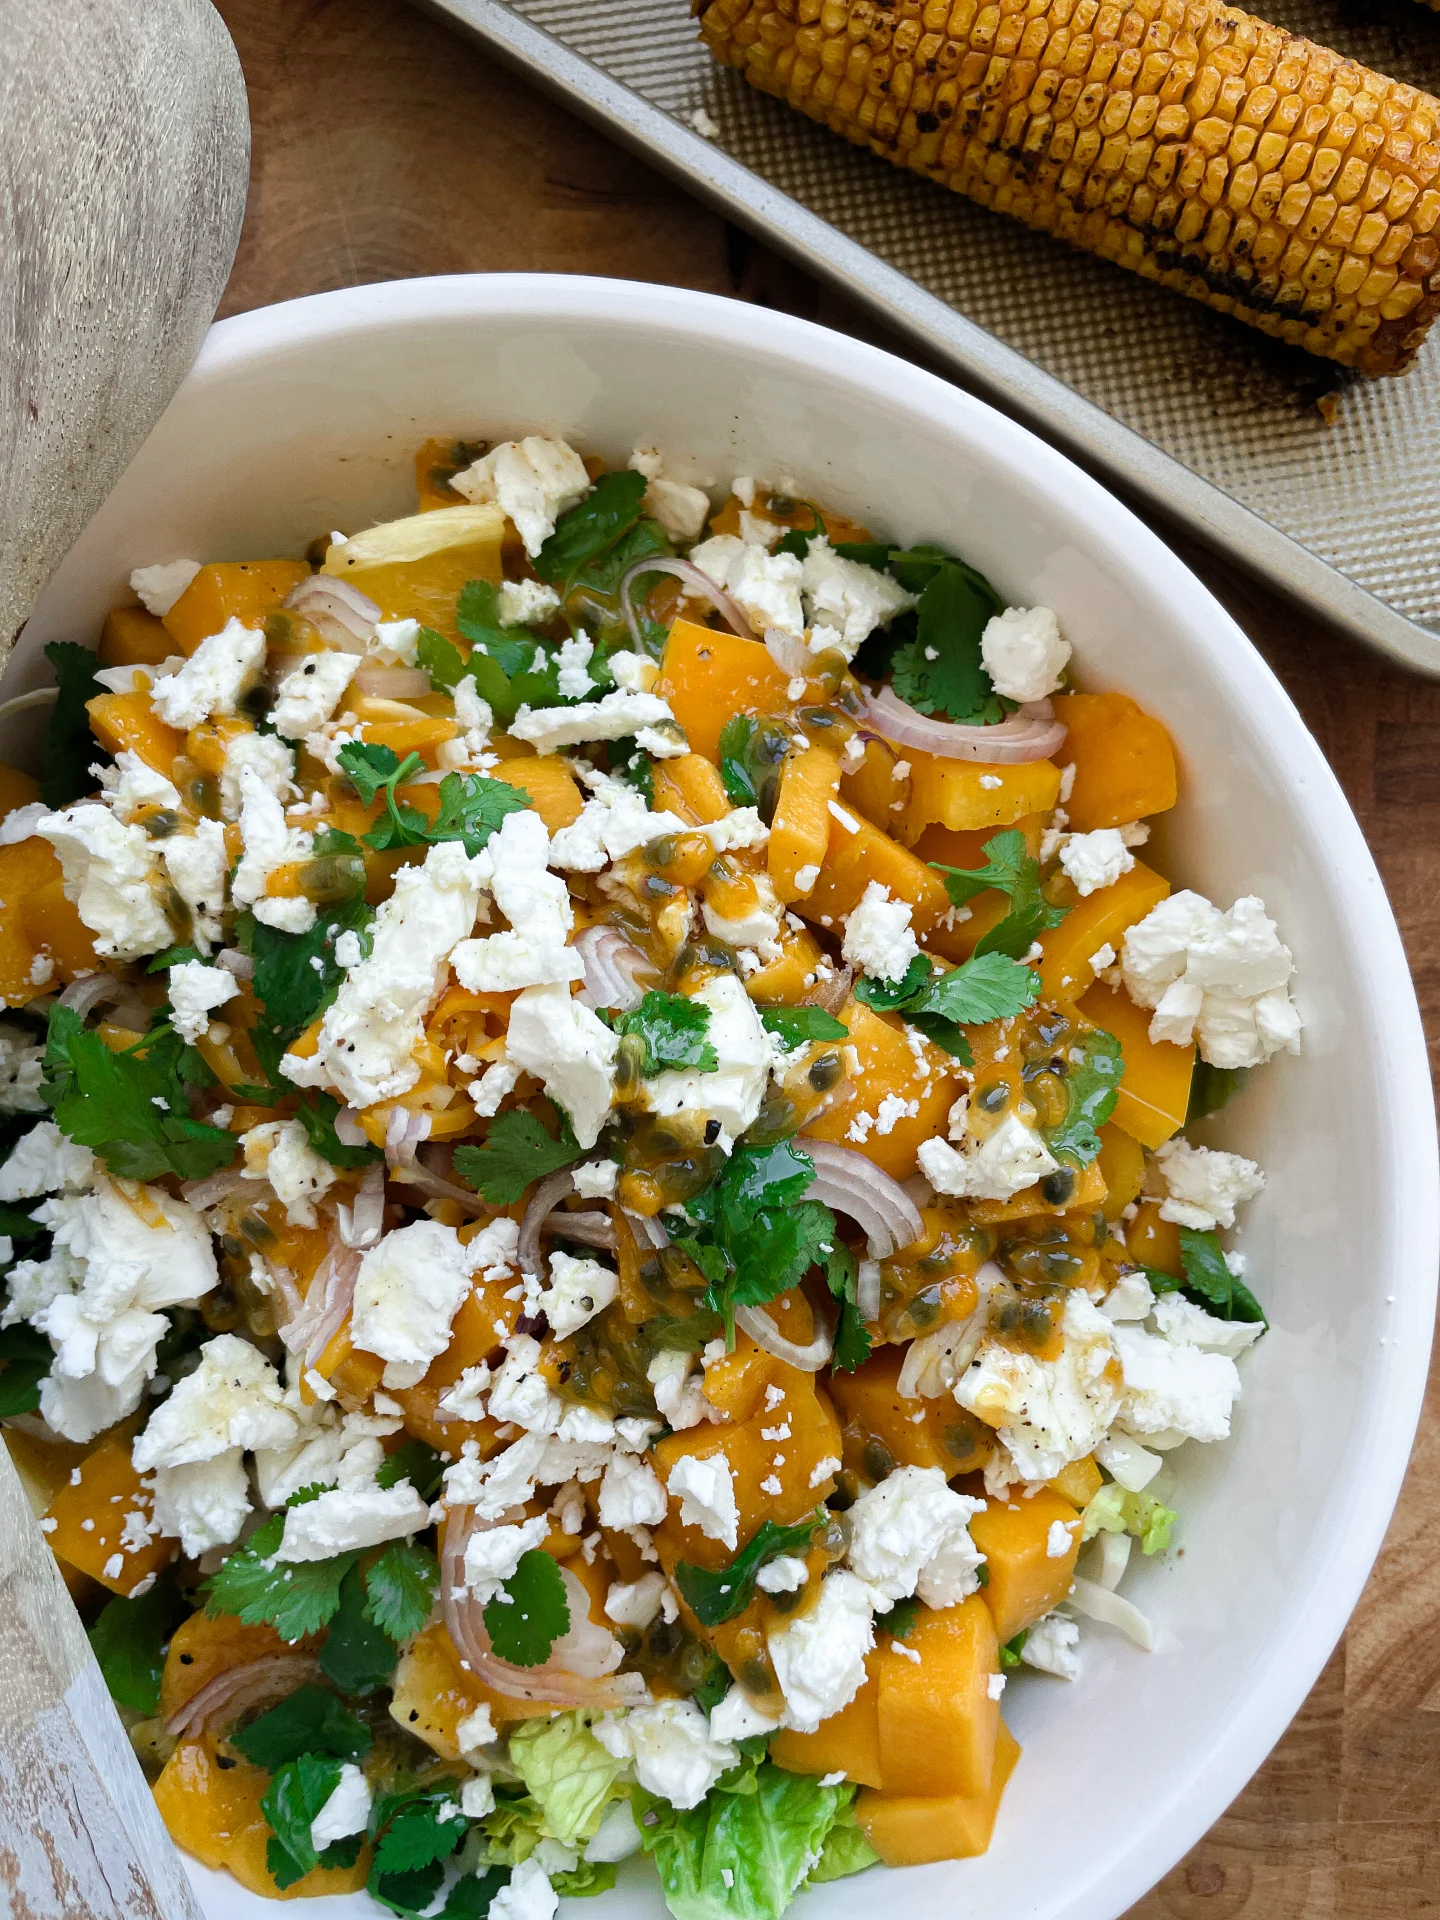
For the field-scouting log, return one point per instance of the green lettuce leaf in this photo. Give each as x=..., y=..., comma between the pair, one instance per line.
x=568, y=1773
x=1114, y=1510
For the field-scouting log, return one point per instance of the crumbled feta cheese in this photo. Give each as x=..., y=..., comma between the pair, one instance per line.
x=758, y=926
x=682, y=511
x=44, y=1160
x=805, y=878
x=310, y=693
x=739, y=1718
x=787, y=1573
x=705, y=1487
x=1129, y=1299
x=533, y=481
x=505, y=1480
x=493, y=1553
x=819, y=1658
x=912, y=1532
x=349, y=1519
x=521, y=1393
x=1102, y=959
x=1223, y=975
x=848, y=599
x=733, y=1091
x=270, y=843
x=158, y=587
x=595, y=1179
x=279, y=1151
x=214, y=678
x=637, y=1603
x=1174, y=1388
x=614, y=717
x=573, y=678
x=765, y=586
x=130, y=787
x=204, y=1504
x=527, y=603
x=477, y=1796
x=369, y=1035
x=22, y=1067
x=111, y=877
x=578, y=1290
x=671, y=1749
x=195, y=991
x=1049, y=1412
x=1095, y=860
x=408, y=1290
x=232, y=1399
x=679, y=1396
x=497, y=1083
x=1185, y=1324
x=631, y=1494
x=395, y=643
x=1023, y=653
x=198, y=865
x=1203, y=1186
x=740, y=828
x=635, y=672
x=1012, y=1156
x=878, y=939
x=1059, y=1538
x=476, y=1730
x=570, y=1050
x=614, y=821
x=1052, y=1646
x=527, y=1895
x=347, y=1810
x=533, y=950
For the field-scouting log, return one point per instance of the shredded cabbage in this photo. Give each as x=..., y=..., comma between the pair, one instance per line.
x=1115, y=1510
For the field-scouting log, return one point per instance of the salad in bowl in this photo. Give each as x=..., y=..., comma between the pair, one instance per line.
x=601, y=1249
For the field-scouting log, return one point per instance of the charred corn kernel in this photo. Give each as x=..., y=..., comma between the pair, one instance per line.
x=1185, y=140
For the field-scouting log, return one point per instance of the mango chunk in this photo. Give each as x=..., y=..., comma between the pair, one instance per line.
x=887, y=1067
x=244, y=590
x=848, y=1742
x=1123, y=758
x=708, y=677
x=966, y=795
x=909, y=1830
x=936, y=1717
x=416, y=568
x=1025, y=1580
x=1097, y=921
x=800, y=829
x=90, y=1512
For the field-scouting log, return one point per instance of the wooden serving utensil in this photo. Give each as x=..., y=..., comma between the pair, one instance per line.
x=124, y=161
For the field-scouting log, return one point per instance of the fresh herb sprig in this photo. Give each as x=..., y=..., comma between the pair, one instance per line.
x=717, y=1595
x=669, y=1031
x=516, y=1152
x=1014, y=871
x=756, y=1236
x=986, y=987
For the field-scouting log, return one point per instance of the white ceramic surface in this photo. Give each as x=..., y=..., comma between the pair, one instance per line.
x=303, y=417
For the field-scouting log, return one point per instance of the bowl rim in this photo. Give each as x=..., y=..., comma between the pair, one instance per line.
x=1365, y=1498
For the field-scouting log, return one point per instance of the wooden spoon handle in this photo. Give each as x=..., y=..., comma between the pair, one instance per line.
x=83, y=1838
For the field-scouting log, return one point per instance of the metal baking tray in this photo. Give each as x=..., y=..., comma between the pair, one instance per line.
x=1322, y=482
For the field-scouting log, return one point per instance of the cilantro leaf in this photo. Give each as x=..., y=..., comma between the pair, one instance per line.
x=400, y=1589
x=69, y=744
x=130, y=1108
x=296, y=1793
x=128, y=1640
x=297, y=975
x=985, y=987
x=756, y=1237
x=889, y=996
x=416, y=1462
x=422, y=1832
x=797, y=1026
x=899, y=1620
x=173, y=957
x=581, y=536
x=295, y=1597
x=602, y=577
x=672, y=1032
x=25, y=1358
x=472, y=807
x=1010, y=868
x=440, y=658
x=318, y=1121
x=371, y=766
x=310, y=1720
x=751, y=752
x=1011, y=1651
x=941, y=670
x=15, y=1222
x=530, y=1613
x=358, y=1655
x=470, y=1897
x=852, y=1338
x=1212, y=1088
x=1092, y=1084
x=1210, y=1282
x=717, y=1596
x=516, y=1152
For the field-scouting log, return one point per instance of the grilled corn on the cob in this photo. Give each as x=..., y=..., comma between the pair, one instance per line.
x=1186, y=140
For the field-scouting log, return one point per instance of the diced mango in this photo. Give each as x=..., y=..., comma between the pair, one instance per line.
x=416, y=568
x=353, y=1373
x=858, y=853
x=125, y=722
x=244, y=590
x=132, y=637
x=848, y=1742
x=1025, y=1580
x=43, y=941
x=402, y=727
x=1155, y=1086
x=708, y=677
x=17, y=789
x=800, y=829
x=1087, y=1193
x=554, y=792
x=910, y=1830
x=90, y=1512
x=472, y=1339
x=915, y=1433
x=964, y=794
x=783, y=982
x=690, y=786
x=1153, y=1242
x=205, y=1645
x=874, y=788
x=936, y=1716
x=1099, y=920
x=1123, y=758
x=1079, y=1482
x=887, y=1066
x=1122, y=1162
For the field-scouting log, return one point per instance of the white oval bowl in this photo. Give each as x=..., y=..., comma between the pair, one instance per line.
x=304, y=416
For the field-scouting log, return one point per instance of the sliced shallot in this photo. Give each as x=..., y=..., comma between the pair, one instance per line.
x=204, y=1194
x=238, y=1689
x=588, y=1229
x=339, y=611
x=763, y=1331
x=935, y=1361
x=392, y=683
x=1095, y=1602
x=424, y=1174
x=92, y=991
x=403, y=1135
x=611, y=963
x=832, y=993
x=361, y=1225
x=790, y=654
x=848, y=1183
x=701, y=586
x=546, y=1197
x=1031, y=734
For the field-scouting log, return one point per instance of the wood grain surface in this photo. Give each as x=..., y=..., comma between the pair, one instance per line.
x=384, y=148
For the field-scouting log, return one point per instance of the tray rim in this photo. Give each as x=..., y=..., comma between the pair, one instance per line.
x=965, y=351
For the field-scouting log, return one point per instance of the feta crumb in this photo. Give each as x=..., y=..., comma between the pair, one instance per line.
x=681, y=510
x=1203, y=1185
x=270, y=843
x=637, y=1603
x=631, y=1494
x=347, y=1810
x=1060, y=1538
x=195, y=991
x=739, y=1718
x=213, y=679
x=158, y=587
x=1095, y=860
x=1223, y=976
x=878, y=939
x=705, y=1487
x=1023, y=653
x=765, y=586
x=111, y=877
x=492, y=1555
x=819, y=1658
x=533, y=481
x=911, y=1533
x=408, y=1290
x=614, y=717
x=733, y=1091
x=635, y=672
x=1174, y=1388
x=527, y=603
x=1011, y=1157
x=476, y=1730
x=704, y=125
x=310, y=693
x=805, y=878
x=671, y=1748
x=395, y=643
x=533, y=950
x=847, y=598
x=1049, y=1412
x=1052, y=1646
x=268, y=758
x=573, y=677
x=578, y=1290
x=786, y=1573
x=570, y=1049
x=350, y=1519
x=22, y=1067
x=279, y=1151
x=595, y=1179
x=527, y=1896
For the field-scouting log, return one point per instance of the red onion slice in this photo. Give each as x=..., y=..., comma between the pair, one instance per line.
x=204, y=1194
x=1026, y=735
x=362, y=1224
x=403, y=1133
x=348, y=1130
x=242, y=965
x=699, y=583
x=611, y=963
x=423, y=1174
x=238, y=1689
x=91, y=991
x=392, y=683
x=763, y=1331
x=546, y=1197
x=580, y=1671
x=792, y=656
x=587, y=1229
x=848, y=1183
x=832, y=994
x=648, y=1231
x=341, y=612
